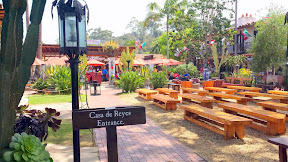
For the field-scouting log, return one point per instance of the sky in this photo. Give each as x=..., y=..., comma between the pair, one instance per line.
x=114, y=15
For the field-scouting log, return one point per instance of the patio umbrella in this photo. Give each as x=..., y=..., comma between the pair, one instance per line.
x=57, y=61
x=94, y=63
x=38, y=62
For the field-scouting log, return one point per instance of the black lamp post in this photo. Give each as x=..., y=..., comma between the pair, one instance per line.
x=128, y=61
x=72, y=42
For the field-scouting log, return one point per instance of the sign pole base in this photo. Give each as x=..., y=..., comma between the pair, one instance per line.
x=112, y=148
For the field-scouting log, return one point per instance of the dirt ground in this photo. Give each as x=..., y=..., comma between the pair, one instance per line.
x=208, y=144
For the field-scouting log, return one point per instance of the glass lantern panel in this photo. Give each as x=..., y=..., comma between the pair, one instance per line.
x=82, y=32
x=61, y=32
x=70, y=30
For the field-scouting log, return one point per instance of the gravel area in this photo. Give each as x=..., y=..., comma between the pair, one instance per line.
x=210, y=145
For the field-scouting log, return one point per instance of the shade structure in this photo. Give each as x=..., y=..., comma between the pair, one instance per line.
x=61, y=61
x=173, y=62
x=138, y=62
x=161, y=61
x=95, y=63
x=39, y=62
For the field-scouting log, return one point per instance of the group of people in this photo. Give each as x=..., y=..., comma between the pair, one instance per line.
x=172, y=76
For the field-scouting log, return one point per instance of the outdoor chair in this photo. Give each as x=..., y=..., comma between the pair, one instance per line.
x=218, y=83
x=209, y=83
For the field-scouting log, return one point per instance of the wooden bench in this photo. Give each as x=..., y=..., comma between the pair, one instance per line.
x=216, y=120
x=226, y=90
x=251, y=89
x=282, y=142
x=273, y=106
x=269, y=122
x=165, y=102
x=282, y=98
x=204, y=101
x=278, y=92
x=200, y=92
x=170, y=92
x=239, y=99
x=146, y=93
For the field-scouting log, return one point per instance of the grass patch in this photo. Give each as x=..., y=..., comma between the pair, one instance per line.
x=64, y=135
x=48, y=99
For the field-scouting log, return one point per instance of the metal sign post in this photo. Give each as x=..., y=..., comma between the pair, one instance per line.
x=109, y=118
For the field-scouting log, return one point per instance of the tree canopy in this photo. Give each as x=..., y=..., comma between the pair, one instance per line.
x=269, y=46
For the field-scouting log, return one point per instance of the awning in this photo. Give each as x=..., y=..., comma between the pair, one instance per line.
x=95, y=63
x=173, y=62
x=57, y=61
x=39, y=62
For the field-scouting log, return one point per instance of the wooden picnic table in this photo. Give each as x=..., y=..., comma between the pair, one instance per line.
x=174, y=85
x=170, y=92
x=240, y=99
x=204, y=101
x=165, y=102
x=282, y=98
x=269, y=122
x=252, y=89
x=218, y=89
x=200, y=92
x=146, y=93
x=233, y=125
x=282, y=142
x=278, y=92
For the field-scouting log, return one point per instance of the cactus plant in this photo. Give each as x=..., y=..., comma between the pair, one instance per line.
x=16, y=59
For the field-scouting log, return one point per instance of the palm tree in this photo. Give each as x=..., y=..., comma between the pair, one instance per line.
x=156, y=13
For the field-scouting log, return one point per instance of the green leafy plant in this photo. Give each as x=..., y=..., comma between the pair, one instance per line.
x=110, y=47
x=129, y=81
x=60, y=78
x=159, y=79
x=40, y=84
x=25, y=147
x=244, y=73
x=36, y=122
x=191, y=69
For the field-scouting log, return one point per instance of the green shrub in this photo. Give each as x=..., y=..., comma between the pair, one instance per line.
x=129, y=81
x=60, y=78
x=25, y=147
x=159, y=79
x=191, y=69
x=40, y=84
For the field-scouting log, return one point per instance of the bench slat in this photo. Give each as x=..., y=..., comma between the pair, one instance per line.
x=197, y=98
x=215, y=114
x=256, y=112
x=257, y=94
x=235, y=97
x=273, y=105
x=165, y=99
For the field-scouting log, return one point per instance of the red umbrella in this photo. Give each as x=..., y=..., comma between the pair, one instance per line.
x=39, y=62
x=94, y=63
x=57, y=61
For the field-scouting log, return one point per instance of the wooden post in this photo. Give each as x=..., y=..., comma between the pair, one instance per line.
x=112, y=148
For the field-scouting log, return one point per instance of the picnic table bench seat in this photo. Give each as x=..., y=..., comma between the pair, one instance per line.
x=170, y=92
x=278, y=92
x=165, y=102
x=200, y=92
x=217, y=89
x=273, y=106
x=282, y=98
x=269, y=122
x=220, y=122
x=240, y=100
x=146, y=93
x=251, y=89
x=204, y=101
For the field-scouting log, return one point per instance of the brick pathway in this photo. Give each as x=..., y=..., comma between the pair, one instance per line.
x=145, y=142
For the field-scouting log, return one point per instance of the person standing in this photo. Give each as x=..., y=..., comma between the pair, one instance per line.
x=104, y=74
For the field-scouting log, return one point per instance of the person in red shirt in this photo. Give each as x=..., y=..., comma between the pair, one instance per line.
x=176, y=76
